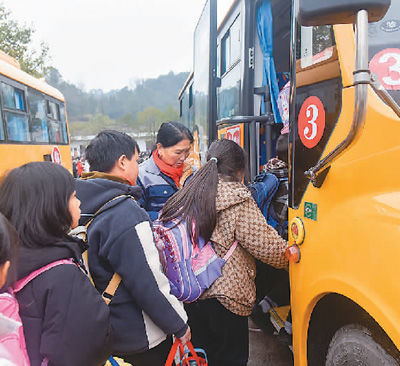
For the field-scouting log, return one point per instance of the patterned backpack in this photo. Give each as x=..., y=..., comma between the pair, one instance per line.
x=190, y=269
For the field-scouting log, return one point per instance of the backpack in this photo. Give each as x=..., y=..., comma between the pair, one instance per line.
x=263, y=190
x=270, y=191
x=12, y=343
x=191, y=269
x=278, y=209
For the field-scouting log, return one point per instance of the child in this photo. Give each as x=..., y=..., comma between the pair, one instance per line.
x=65, y=320
x=8, y=243
x=224, y=211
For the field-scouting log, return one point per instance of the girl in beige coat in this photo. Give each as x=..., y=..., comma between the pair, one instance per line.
x=224, y=212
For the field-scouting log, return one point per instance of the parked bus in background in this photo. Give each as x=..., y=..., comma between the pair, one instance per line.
x=33, y=123
x=344, y=151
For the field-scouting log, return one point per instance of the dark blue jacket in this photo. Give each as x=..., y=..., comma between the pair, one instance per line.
x=120, y=240
x=64, y=318
x=156, y=187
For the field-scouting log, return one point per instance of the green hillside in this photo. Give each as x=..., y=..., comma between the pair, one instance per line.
x=143, y=108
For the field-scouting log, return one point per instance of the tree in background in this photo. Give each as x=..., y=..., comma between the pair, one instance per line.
x=16, y=41
x=149, y=120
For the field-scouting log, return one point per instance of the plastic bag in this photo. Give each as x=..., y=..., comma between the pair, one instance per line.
x=190, y=357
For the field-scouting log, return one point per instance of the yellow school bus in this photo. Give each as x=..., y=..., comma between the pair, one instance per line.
x=342, y=58
x=33, y=123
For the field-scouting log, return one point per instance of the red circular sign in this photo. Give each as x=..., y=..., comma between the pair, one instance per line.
x=311, y=121
x=386, y=64
x=56, y=155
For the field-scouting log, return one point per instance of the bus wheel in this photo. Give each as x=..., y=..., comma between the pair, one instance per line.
x=353, y=345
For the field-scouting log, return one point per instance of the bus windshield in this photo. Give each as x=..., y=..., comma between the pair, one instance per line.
x=384, y=50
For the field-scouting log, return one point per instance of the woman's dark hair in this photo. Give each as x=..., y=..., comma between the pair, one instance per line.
x=8, y=240
x=171, y=133
x=35, y=199
x=196, y=201
x=107, y=147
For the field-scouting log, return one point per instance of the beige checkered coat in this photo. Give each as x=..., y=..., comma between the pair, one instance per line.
x=240, y=219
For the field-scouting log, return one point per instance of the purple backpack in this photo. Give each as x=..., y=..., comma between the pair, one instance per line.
x=190, y=269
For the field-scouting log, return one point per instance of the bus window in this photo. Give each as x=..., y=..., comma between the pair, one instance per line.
x=1, y=129
x=57, y=126
x=230, y=47
x=235, y=49
x=63, y=125
x=225, y=52
x=316, y=45
x=316, y=54
x=229, y=92
x=15, y=115
x=13, y=97
x=37, y=110
x=17, y=127
x=53, y=110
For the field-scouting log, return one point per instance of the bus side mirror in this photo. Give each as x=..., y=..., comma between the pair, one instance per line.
x=328, y=12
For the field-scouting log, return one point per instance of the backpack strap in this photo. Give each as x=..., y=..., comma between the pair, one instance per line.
x=19, y=285
x=231, y=250
x=116, y=279
x=112, y=286
x=99, y=210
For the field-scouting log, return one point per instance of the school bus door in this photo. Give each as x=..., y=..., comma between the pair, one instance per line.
x=344, y=264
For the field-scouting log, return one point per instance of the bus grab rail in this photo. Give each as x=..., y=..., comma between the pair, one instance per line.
x=268, y=118
x=362, y=78
x=384, y=94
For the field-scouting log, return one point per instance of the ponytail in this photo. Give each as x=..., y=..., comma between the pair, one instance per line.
x=196, y=201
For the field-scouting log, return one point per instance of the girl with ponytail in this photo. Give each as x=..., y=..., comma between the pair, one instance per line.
x=224, y=212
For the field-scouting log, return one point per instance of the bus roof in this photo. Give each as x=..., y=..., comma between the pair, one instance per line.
x=10, y=68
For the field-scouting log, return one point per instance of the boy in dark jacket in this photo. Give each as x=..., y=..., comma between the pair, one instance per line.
x=143, y=312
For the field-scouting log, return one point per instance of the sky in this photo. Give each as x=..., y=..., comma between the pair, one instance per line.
x=110, y=44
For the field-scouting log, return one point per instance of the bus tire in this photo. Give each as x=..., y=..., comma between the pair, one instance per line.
x=353, y=345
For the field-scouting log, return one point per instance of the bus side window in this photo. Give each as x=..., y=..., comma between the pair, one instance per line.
x=15, y=114
x=37, y=110
x=63, y=125
x=1, y=129
x=56, y=123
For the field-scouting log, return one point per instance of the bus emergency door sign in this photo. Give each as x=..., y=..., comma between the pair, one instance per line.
x=56, y=155
x=311, y=122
